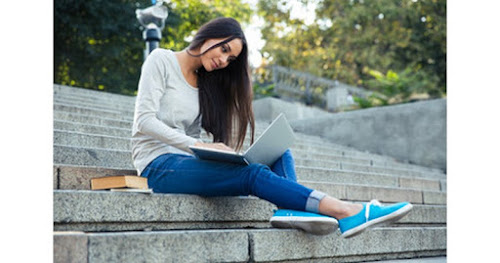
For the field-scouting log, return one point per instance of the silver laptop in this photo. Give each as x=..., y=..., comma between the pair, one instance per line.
x=268, y=148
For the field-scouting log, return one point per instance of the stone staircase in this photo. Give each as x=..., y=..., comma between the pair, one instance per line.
x=91, y=138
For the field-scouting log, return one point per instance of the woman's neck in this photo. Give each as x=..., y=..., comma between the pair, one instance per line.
x=188, y=64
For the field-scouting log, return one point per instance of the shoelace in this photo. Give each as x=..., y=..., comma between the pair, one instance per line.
x=367, y=211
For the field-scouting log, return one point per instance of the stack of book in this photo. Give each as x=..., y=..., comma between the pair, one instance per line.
x=121, y=183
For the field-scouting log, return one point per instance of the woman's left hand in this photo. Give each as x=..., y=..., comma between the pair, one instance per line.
x=217, y=146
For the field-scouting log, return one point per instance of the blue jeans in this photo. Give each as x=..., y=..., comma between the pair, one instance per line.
x=177, y=173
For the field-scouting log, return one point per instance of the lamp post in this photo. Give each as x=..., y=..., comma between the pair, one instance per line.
x=153, y=20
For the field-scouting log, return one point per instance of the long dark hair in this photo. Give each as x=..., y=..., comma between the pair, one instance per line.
x=225, y=95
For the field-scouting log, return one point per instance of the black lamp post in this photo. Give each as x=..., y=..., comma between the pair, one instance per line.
x=153, y=20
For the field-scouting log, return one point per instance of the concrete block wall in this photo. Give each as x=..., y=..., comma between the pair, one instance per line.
x=413, y=132
x=266, y=109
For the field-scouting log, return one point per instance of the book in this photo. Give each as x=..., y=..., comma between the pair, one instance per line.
x=119, y=181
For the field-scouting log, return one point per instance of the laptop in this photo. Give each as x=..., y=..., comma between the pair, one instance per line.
x=267, y=149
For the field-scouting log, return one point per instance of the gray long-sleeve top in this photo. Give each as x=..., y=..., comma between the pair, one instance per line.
x=166, y=110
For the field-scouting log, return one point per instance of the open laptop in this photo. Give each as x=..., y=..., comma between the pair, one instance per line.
x=268, y=148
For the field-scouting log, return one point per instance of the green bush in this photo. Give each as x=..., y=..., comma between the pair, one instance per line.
x=261, y=90
x=400, y=87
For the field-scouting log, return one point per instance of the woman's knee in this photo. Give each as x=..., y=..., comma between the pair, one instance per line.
x=251, y=172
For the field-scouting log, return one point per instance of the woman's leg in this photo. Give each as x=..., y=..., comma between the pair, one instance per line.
x=174, y=173
x=285, y=166
x=353, y=218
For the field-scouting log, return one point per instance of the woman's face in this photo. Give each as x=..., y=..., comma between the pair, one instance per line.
x=219, y=57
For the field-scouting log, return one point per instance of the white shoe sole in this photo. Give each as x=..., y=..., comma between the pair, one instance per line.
x=312, y=225
x=387, y=219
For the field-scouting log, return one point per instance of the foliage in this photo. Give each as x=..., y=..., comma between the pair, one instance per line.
x=94, y=47
x=399, y=87
x=186, y=16
x=401, y=37
x=98, y=44
x=365, y=103
x=261, y=90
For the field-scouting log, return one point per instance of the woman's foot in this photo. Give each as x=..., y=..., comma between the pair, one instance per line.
x=372, y=214
x=312, y=223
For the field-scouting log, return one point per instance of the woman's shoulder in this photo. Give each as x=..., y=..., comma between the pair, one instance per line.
x=164, y=57
x=161, y=53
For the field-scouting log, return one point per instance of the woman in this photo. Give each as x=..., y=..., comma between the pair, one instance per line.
x=208, y=86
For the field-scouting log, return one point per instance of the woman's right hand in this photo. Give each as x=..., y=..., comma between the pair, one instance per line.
x=218, y=146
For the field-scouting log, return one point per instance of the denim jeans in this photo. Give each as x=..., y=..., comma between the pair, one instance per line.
x=177, y=173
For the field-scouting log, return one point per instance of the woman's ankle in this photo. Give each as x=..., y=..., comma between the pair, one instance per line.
x=350, y=209
x=339, y=209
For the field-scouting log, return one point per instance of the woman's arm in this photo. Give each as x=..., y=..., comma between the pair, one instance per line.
x=151, y=89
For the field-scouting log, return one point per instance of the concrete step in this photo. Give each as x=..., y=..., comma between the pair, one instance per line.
x=362, y=192
x=108, y=119
x=356, y=177
x=265, y=245
x=72, y=93
x=91, y=129
x=91, y=120
x=93, y=95
x=92, y=157
x=65, y=124
x=79, y=112
x=323, y=162
x=111, y=114
x=71, y=177
x=78, y=177
x=103, y=158
x=310, y=158
x=100, y=126
x=84, y=210
x=92, y=103
x=91, y=141
x=93, y=211
x=414, y=260
x=320, y=170
x=276, y=245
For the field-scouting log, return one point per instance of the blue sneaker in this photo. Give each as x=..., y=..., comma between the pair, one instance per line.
x=371, y=215
x=312, y=223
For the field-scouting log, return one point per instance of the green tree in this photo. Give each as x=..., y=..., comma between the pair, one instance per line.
x=96, y=48
x=350, y=38
x=98, y=44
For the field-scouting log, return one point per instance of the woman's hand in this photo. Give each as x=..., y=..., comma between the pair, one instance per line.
x=218, y=146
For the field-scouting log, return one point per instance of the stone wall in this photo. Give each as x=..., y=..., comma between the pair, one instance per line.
x=266, y=109
x=413, y=132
